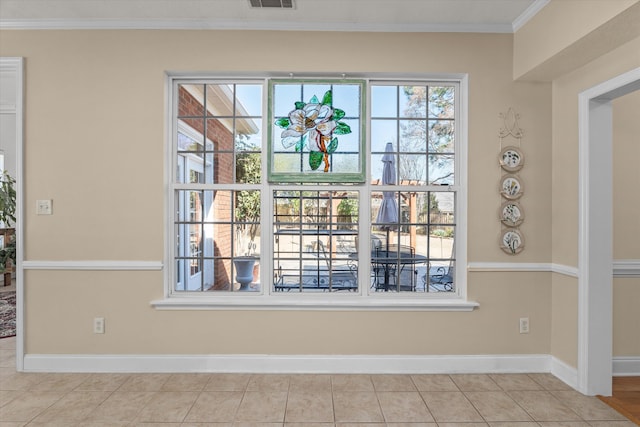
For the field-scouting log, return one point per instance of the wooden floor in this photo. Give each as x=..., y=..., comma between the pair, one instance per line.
x=626, y=397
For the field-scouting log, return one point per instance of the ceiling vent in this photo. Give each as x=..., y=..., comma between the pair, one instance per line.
x=279, y=4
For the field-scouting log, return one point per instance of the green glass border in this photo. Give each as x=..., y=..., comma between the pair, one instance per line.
x=315, y=177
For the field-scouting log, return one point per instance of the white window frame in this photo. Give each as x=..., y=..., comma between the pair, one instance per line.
x=363, y=299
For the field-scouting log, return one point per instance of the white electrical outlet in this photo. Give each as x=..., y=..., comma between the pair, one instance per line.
x=524, y=325
x=98, y=325
x=44, y=207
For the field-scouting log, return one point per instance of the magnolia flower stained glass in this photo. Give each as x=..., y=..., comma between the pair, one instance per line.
x=316, y=131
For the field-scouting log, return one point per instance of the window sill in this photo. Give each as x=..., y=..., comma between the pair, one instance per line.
x=359, y=303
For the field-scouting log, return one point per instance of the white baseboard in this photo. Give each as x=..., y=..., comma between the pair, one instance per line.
x=378, y=364
x=626, y=366
x=568, y=374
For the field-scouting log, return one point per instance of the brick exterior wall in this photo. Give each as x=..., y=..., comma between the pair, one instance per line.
x=222, y=139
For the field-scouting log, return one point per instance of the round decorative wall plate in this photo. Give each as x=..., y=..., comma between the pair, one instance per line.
x=511, y=187
x=511, y=159
x=511, y=241
x=511, y=214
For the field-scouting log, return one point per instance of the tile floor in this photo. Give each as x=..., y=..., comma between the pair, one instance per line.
x=505, y=400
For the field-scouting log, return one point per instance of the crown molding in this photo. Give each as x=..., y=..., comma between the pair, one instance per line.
x=531, y=11
x=149, y=24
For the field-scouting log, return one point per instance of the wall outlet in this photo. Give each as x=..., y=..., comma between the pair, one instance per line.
x=524, y=325
x=98, y=325
x=44, y=207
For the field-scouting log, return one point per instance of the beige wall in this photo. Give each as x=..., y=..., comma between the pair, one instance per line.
x=567, y=34
x=95, y=141
x=626, y=222
x=565, y=197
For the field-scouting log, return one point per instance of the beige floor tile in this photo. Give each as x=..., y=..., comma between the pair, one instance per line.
x=7, y=396
x=103, y=382
x=18, y=380
x=564, y=424
x=351, y=382
x=227, y=382
x=515, y=382
x=404, y=406
x=462, y=424
x=543, y=406
x=310, y=383
x=28, y=408
x=513, y=424
x=415, y=425
x=393, y=383
x=361, y=424
x=73, y=407
x=168, y=406
x=475, y=382
x=121, y=406
x=8, y=343
x=262, y=406
x=7, y=358
x=269, y=382
x=59, y=382
x=549, y=382
x=357, y=406
x=450, y=406
x=144, y=382
x=286, y=424
x=218, y=406
x=497, y=406
x=434, y=383
x=186, y=382
x=207, y=425
x=309, y=406
x=589, y=408
x=626, y=423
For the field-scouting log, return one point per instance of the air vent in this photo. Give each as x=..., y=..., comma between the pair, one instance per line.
x=281, y=4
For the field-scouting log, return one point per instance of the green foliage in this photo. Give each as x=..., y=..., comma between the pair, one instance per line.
x=348, y=207
x=8, y=253
x=7, y=200
x=315, y=158
x=247, y=208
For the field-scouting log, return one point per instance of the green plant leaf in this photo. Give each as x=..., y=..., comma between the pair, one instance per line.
x=301, y=143
x=315, y=158
x=342, y=129
x=327, y=99
x=338, y=114
x=283, y=122
x=313, y=100
x=300, y=105
x=333, y=145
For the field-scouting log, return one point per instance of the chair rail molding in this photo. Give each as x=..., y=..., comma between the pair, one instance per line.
x=103, y=265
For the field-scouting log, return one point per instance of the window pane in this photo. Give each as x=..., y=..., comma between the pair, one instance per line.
x=413, y=135
x=413, y=101
x=441, y=102
x=441, y=136
x=384, y=101
x=315, y=235
x=411, y=233
x=441, y=170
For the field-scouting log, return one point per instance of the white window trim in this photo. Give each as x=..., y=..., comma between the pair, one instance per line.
x=267, y=298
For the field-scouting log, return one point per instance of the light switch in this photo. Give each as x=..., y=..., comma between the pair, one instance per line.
x=43, y=207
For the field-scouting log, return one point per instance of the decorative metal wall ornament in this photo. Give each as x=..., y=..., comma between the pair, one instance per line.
x=511, y=187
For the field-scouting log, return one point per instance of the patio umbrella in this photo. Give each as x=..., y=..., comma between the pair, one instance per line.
x=387, y=218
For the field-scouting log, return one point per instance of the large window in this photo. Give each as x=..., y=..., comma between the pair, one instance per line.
x=236, y=232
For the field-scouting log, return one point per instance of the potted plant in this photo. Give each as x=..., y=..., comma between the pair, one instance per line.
x=7, y=219
x=247, y=215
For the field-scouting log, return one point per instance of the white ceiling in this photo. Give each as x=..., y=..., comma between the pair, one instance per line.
x=502, y=16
